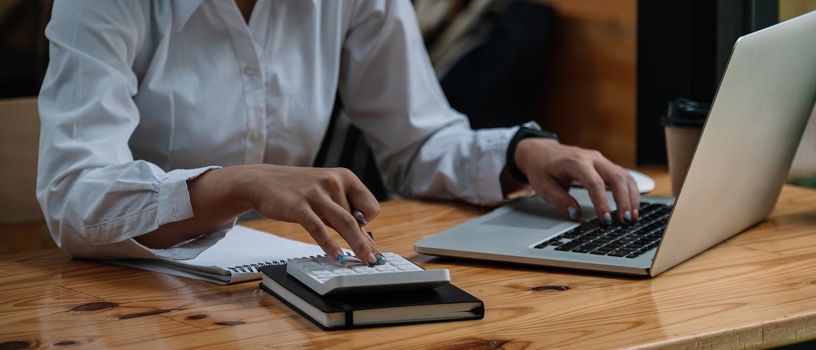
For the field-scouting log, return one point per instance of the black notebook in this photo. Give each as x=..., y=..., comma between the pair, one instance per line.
x=443, y=303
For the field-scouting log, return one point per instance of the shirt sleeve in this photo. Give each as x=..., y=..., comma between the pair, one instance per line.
x=94, y=195
x=389, y=90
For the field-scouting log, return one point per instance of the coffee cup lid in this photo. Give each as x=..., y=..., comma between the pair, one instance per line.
x=686, y=113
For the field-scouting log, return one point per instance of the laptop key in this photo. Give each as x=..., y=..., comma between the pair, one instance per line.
x=602, y=250
x=569, y=246
x=589, y=247
x=571, y=234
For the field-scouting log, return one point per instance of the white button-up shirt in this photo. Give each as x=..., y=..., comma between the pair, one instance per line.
x=141, y=96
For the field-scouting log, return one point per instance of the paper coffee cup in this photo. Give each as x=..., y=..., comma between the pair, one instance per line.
x=683, y=125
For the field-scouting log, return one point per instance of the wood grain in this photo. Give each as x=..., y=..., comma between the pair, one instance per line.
x=755, y=290
x=589, y=92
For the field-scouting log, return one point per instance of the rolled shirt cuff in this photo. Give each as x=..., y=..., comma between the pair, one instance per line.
x=174, y=197
x=191, y=248
x=493, y=145
x=172, y=205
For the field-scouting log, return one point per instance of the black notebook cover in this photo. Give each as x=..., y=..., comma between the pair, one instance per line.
x=349, y=303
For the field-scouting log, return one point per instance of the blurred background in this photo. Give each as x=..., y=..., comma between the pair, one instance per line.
x=602, y=71
x=599, y=73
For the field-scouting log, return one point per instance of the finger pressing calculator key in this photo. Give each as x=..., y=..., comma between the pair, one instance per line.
x=326, y=275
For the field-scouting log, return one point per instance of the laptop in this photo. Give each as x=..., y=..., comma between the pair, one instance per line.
x=736, y=174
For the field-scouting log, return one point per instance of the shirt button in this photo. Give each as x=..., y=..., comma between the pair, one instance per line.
x=251, y=70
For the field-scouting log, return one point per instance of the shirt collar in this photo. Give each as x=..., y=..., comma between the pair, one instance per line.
x=182, y=10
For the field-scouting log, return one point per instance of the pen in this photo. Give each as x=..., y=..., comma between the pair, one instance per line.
x=380, y=257
x=359, y=216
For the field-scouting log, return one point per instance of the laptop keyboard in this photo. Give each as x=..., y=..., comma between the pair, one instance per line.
x=617, y=240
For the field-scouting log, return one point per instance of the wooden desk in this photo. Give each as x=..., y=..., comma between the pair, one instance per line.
x=755, y=290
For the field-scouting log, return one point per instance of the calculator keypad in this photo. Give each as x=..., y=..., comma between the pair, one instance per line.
x=326, y=275
x=323, y=268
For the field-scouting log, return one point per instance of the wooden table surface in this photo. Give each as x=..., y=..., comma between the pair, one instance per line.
x=755, y=290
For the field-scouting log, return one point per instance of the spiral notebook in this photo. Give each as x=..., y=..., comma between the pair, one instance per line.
x=235, y=258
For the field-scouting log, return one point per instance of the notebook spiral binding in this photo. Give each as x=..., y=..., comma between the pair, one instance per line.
x=253, y=268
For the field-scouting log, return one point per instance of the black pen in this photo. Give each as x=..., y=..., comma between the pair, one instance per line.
x=359, y=216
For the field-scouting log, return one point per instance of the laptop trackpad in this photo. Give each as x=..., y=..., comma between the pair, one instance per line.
x=530, y=213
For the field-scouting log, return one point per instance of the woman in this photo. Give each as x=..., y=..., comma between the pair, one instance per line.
x=163, y=121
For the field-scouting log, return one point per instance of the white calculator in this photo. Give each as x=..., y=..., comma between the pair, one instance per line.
x=325, y=275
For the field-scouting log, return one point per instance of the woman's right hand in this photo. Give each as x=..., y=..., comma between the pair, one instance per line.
x=315, y=198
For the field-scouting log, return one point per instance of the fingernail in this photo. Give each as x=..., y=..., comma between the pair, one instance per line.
x=573, y=213
x=372, y=260
x=608, y=218
x=340, y=257
x=627, y=216
x=380, y=259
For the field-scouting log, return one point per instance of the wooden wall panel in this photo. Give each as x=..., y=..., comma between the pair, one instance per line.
x=792, y=8
x=23, y=238
x=804, y=164
x=589, y=97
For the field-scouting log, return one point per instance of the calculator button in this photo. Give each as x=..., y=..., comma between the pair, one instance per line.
x=321, y=273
